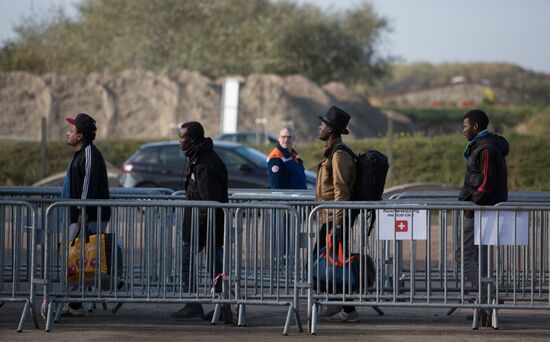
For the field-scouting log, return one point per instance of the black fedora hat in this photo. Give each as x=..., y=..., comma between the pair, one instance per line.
x=336, y=118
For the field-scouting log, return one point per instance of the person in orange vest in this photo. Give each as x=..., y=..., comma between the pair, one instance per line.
x=284, y=166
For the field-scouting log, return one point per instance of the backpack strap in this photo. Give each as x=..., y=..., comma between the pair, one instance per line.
x=343, y=147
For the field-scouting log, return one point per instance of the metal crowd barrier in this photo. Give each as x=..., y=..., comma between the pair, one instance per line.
x=258, y=268
x=17, y=257
x=514, y=274
x=450, y=197
x=268, y=262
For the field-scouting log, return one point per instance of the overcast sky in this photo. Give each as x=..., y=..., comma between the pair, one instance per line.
x=436, y=31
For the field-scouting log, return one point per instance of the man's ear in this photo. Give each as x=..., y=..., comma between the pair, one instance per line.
x=475, y=126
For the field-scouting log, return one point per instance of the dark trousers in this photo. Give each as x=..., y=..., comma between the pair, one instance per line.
x=322, y=243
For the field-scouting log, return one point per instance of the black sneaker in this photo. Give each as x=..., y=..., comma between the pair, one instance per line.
x=190, y=310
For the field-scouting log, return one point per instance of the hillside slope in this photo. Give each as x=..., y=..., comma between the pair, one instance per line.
x=143, y=104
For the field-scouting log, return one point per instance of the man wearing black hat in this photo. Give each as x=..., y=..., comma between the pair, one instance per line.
x=335, y=179
x=86, y=179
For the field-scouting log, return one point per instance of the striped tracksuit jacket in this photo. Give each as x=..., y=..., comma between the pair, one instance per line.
x=88, y=180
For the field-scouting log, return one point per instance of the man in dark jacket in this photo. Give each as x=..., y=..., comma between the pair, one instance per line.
x=284, y=166
x=86, y=179
x=485, y=183
x=206, y=181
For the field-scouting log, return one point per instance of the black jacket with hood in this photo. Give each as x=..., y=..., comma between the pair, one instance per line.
x=206, y=181
x=89, y=181
x=485, y=181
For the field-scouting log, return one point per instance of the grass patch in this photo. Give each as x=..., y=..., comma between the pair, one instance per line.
x=502, y=118
x=416, y=159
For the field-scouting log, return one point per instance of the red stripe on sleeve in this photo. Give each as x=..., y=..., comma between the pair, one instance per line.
x=485, y=171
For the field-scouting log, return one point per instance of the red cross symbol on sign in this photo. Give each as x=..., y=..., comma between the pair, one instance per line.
x=401, y=226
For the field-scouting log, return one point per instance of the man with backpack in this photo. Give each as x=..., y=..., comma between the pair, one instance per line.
x=335, y=180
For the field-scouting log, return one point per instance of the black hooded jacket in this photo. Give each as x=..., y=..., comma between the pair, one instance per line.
x=89, y=181
x=206, y=181
x=486, y=178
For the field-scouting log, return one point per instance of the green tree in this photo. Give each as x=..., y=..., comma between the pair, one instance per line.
x=214, y=37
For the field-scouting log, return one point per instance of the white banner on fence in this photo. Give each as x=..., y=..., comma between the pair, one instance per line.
x=400, y=224
x=487, y=219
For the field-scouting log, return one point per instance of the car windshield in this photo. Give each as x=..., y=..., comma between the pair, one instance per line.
x=256, y=157
x=145, y=155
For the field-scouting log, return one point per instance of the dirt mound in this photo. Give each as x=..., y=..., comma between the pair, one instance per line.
x=74, y=94
x=198, y=99
x=24, y=100
x=143, y=104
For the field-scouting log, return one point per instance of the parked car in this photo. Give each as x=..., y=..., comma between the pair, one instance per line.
x=161, y=164
x=249, y=138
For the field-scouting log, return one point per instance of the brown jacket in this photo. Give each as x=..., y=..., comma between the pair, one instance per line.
x=335, y=179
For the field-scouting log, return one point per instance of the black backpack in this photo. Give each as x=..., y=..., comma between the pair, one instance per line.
x=371, y=171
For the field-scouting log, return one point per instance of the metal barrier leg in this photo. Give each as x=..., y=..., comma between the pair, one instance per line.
x=34, y=316
x=49, y=320
x=288, y=318
x=314, y=320
x=241, y=318
x=475, y=320
x=24, y=317
x=58, y=312
x=452, y=311
x=378, y=310
x=216, y=315
x=116, y=308
x=298, y=320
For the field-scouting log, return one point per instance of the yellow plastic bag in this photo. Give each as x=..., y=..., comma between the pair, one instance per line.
x=91, y=260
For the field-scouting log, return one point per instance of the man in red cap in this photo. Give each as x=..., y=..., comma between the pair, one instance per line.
x=86, y=179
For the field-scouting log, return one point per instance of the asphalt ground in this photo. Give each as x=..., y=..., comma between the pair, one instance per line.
x=152, y=322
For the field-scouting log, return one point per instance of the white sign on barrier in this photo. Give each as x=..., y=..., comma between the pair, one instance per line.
x=401, y=224
x=487, y=220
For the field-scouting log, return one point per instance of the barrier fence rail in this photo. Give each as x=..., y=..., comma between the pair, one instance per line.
x=17, y=255
x=511, y=265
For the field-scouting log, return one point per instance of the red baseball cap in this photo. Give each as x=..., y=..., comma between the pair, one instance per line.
x=83, y=122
